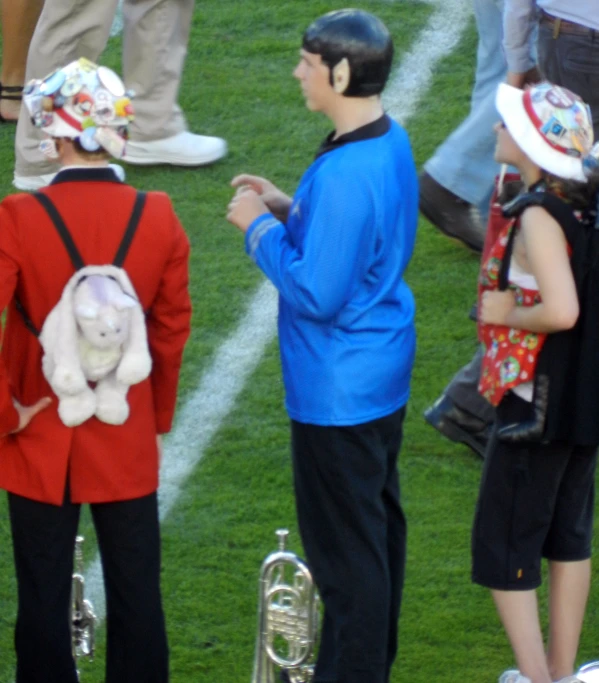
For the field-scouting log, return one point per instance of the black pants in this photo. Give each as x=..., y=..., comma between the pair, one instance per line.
x=43, y=541
x=535, y=500
x=354, y=534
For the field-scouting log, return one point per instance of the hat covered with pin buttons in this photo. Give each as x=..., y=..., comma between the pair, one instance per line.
x=552, y=125
x=84, y=102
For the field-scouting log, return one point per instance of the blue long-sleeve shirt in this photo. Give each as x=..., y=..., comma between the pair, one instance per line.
x=346, y=316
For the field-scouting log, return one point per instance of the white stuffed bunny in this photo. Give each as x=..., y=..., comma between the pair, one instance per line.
x=95, y=333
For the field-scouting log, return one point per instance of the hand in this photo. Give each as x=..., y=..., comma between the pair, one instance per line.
x=260, y=185
x=278, y=202
x=496, y=306
x=245, y=207
x=520, y=80
x=27, y=413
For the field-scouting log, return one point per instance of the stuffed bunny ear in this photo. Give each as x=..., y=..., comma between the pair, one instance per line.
x=87, y=311
x=112, y=290
x=122, y=301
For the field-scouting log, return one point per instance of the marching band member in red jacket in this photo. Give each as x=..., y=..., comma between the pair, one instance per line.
x=48, y=468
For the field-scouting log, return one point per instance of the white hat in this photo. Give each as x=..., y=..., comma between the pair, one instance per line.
x=82, y=101
x=551, y=125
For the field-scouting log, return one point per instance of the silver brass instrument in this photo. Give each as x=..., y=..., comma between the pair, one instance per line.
x=589, y=673
x=83, y=618
x=288, y=617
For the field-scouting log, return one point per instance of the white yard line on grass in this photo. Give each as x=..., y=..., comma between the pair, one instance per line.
x=117, y=24
x=438, y=39
x=239, y=355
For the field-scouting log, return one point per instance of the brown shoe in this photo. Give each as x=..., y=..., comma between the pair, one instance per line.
x=449, y=213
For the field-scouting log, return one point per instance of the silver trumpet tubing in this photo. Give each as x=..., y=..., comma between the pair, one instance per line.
x=83, y=618
x=288, y=617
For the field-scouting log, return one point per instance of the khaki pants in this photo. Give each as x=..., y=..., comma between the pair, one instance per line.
x=155, y=39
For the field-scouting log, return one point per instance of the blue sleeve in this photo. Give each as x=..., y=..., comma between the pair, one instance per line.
x=318, y=274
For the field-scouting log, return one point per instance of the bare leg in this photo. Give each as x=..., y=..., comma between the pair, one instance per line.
x=569, y=584
x=519, y=615
x=19, y=18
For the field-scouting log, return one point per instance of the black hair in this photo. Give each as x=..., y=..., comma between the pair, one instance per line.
x=362, y=39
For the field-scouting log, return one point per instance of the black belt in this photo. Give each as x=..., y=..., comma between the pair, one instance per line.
x=564, y=26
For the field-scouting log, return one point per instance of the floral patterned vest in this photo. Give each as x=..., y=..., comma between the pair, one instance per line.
x=510, y=354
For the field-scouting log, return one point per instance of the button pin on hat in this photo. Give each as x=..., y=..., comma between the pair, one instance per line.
x=52, y=83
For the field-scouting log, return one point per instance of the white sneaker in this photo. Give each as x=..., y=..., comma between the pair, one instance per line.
x=513, y=676
x=588, y=672
x=183, y=149
x=32, y=183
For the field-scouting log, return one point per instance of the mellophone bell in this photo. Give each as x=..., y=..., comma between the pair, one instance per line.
x=83, y=618
x=288, y=617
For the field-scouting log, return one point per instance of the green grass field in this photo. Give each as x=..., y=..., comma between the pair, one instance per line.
x=238, y=85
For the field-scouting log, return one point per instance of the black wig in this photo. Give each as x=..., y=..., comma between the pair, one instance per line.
x=358, y=36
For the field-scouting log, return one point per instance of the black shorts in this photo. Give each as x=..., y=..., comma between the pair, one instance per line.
x=535, y=500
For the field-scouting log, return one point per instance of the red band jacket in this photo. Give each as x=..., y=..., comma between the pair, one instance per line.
x=102, y=462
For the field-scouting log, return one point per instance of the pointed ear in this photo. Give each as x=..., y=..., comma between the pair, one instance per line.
x=341, y=76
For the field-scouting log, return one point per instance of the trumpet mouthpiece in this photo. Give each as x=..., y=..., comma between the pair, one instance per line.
x=282, y=535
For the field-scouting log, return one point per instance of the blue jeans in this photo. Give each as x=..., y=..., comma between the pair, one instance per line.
x=464, y=163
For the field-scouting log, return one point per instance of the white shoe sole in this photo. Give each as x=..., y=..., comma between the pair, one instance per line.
x=155, y=159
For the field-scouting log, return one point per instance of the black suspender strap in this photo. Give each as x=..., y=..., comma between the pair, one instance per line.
x=71, y=248
x=26, y=319
x=138, y=208
x=61, y=228
x=68, y=242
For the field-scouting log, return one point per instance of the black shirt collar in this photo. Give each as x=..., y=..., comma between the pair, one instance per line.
x=371, y=130
x=85, y=174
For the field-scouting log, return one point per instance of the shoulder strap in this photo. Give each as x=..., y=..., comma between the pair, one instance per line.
x=504, y=269
x=134, y=219
x=560, y=210
x=61, y=228
x=68, y=242
x=556, y=207
x=71, y=248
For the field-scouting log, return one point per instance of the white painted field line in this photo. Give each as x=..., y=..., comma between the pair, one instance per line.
x=117, y=24
x=413, y=78
x=239, y=355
